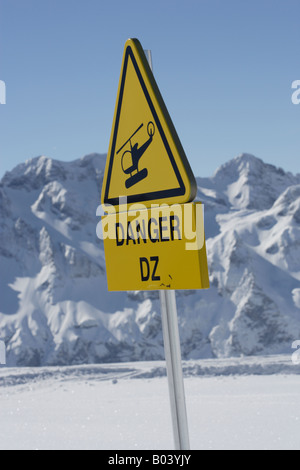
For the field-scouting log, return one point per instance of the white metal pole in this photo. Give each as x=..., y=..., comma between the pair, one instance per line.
x=174, y=369
x=173, y=358
x=149, y=58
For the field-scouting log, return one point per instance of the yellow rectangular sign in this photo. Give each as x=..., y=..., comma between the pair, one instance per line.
x=158, y=248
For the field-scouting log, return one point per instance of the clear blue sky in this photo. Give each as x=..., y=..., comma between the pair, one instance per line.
x=224, y=68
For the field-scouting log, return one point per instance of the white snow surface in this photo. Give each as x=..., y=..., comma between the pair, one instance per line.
x=54, y=305
x=247, y=403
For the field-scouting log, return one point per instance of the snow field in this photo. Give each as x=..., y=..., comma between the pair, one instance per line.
x=116, y=411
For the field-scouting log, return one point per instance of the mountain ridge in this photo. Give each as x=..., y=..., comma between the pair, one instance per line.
x=55, y=308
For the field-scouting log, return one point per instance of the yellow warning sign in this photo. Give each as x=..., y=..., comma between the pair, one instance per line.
x=145, y=161
x=157, y=248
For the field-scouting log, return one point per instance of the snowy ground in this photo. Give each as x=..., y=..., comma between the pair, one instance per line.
x=251, y=403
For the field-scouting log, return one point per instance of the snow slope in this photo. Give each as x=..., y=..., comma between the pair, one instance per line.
x=54, y=304
x=126, y=406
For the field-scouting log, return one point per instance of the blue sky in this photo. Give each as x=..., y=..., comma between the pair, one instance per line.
x=224, y=68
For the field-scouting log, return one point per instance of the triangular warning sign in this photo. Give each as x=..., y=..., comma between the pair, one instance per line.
x=145, y=161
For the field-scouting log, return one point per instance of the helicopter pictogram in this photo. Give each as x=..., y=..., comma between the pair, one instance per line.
x=130, y=158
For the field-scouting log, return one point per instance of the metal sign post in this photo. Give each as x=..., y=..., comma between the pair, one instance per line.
x=173, y=358
x=174, y=369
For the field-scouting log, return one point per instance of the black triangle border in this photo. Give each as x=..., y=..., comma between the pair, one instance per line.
x=149, y=196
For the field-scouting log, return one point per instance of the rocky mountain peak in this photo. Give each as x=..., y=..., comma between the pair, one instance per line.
x=54, y=304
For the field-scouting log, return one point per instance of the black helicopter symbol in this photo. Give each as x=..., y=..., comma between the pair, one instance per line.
x=130, y=158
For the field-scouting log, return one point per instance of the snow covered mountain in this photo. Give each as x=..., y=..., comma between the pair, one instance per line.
x=54, y=304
